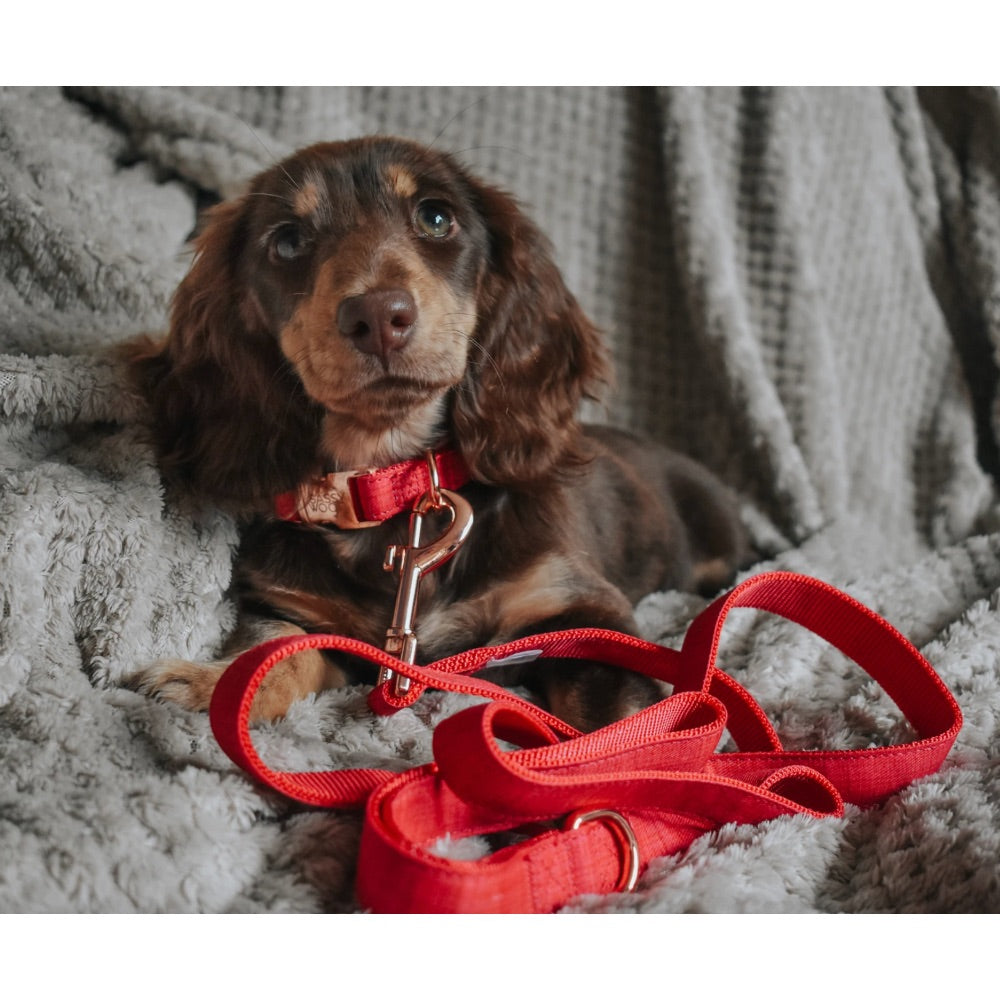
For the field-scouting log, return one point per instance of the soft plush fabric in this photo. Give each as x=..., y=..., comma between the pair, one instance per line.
x=801, y=288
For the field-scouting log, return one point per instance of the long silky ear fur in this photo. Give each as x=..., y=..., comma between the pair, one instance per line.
x=535, y=357
x=231, y=421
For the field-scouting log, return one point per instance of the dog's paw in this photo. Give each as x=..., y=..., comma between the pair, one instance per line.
x=191, y=684
x=180, y=681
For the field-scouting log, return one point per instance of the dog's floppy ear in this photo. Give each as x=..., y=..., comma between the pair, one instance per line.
x=229, y=418
x=535, y=356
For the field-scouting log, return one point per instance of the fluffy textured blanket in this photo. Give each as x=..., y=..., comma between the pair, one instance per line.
x=802, y=288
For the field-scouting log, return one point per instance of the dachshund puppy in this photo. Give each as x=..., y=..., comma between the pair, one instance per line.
x=364, y=304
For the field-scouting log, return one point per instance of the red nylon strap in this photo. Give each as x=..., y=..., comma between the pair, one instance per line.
x=865, y=776
x=363, y=497
x=656, y=770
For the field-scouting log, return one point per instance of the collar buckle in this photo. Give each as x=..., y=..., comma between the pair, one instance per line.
x=364, y=498
x=328, y=500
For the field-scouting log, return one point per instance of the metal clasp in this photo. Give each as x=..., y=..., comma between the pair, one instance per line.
x=629, y=878
x=327, y=500
x=413, y=561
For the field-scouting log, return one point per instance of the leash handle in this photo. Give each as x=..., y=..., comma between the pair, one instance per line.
x=864, y=777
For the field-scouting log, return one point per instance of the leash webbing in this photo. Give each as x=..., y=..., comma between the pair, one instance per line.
x=653, y=780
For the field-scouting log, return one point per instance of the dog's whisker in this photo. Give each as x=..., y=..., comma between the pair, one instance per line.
x=267, y=149
x=267, y=194
x=487, y=357
x=458, y=114
x=497, y=148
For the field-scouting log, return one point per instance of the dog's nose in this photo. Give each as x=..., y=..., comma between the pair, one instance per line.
x=378, y=322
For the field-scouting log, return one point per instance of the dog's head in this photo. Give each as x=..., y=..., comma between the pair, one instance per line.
x=363, y=301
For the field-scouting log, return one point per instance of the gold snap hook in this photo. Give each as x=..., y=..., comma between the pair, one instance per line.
x=413, y=561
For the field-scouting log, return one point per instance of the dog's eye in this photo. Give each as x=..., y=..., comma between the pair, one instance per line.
x=434, y=218
x=286, y=243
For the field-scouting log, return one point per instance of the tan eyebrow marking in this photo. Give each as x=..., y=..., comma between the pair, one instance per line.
x=307, y=199
x=402, y=181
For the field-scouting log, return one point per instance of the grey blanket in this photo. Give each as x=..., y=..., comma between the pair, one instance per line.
x=801, y=288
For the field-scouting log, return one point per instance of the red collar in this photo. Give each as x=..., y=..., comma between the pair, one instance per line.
x=362, y=498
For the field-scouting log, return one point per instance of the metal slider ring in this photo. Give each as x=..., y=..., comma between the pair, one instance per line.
x=629, y=878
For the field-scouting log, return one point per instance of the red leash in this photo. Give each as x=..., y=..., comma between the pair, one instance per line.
x=597, y=807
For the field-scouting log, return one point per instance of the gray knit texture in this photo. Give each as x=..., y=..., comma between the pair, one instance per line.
x=800, y=287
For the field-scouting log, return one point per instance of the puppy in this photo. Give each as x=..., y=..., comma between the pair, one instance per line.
x=365, y=305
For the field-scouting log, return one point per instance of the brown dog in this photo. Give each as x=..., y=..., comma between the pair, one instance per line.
x=367, y=302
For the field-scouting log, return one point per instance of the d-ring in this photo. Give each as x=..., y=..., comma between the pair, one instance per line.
x=630, y=872
x=435, y=483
